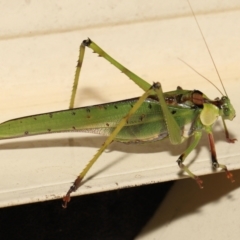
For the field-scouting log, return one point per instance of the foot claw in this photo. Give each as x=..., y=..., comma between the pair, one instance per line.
x=73, y=188
x=231, y=140
x=66, y=200
x=230, y=176
x=199, y=182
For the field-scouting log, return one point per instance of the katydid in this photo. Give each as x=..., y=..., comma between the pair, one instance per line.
x=177, y=115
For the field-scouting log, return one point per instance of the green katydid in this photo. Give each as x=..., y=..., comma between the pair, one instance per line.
x=155, y=115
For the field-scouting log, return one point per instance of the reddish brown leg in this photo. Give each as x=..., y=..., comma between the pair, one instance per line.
x=215, y=163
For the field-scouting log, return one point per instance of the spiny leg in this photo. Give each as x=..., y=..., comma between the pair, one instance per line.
x=96, y=49
x=182, y=157
x=173, y=128
x=121, y=124
x=215, y=163
x=77, y=74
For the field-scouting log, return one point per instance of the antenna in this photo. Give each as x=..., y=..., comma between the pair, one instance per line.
x=205, y=42
x=200, y=75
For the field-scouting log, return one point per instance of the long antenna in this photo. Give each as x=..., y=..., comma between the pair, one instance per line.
x=200, y=75
x=205, y=42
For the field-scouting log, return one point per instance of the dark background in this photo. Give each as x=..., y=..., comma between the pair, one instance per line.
x=119, y=214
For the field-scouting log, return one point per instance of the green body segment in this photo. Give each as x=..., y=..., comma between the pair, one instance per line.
x=145, y=125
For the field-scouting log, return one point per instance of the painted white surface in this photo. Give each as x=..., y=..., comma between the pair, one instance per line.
x=39, y=45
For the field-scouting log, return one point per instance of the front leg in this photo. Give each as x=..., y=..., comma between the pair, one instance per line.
x=230, y=140
x=215, y=163
x=96, y=49
x=182, y=157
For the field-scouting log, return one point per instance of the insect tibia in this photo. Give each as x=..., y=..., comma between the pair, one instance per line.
x=79, y=64
x=215, y=163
